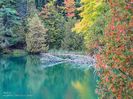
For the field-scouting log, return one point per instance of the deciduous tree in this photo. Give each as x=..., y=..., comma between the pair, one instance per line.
x=115, y=59
x=70, y=8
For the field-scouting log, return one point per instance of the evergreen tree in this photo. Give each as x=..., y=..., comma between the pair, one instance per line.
x=35, y=38
x=71, y=40
x=9, y=22
x=53, y=20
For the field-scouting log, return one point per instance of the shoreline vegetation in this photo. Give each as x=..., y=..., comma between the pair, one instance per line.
x=21, y=52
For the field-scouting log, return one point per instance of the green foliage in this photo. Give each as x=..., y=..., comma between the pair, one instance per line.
x=54, y=22
x=14, y=26
x=92, y=21
x=71, y=40
x=59, y=28
x=9, y=21
x=91, y=9
x=35, y=38
x=40, y=3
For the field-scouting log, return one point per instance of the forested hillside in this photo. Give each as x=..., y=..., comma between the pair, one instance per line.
x=19, y=18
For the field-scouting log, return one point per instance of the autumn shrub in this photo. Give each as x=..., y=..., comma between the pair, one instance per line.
x=115, y=59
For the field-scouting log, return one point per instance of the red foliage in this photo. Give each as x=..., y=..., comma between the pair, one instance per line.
x=70, y=7
x=115, y=59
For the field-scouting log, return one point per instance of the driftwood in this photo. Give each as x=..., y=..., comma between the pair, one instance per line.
x=48, y=59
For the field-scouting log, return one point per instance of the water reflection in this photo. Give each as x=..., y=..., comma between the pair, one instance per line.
x=23, y=77
x=86, y=87
x=35, y=76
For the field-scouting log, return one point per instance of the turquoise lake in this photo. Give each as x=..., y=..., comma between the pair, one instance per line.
x=25, y=78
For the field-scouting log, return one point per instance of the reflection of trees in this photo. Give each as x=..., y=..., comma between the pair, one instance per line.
x=36, y=76
x=11, y=74
x=86, y=87
x=25, y=75
x=50, y=83
x=58, y=83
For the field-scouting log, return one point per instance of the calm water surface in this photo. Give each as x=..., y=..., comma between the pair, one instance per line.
x=24, y=78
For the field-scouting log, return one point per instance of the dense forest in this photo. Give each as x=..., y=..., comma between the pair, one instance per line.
x=102, y=28
x=36, y=26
